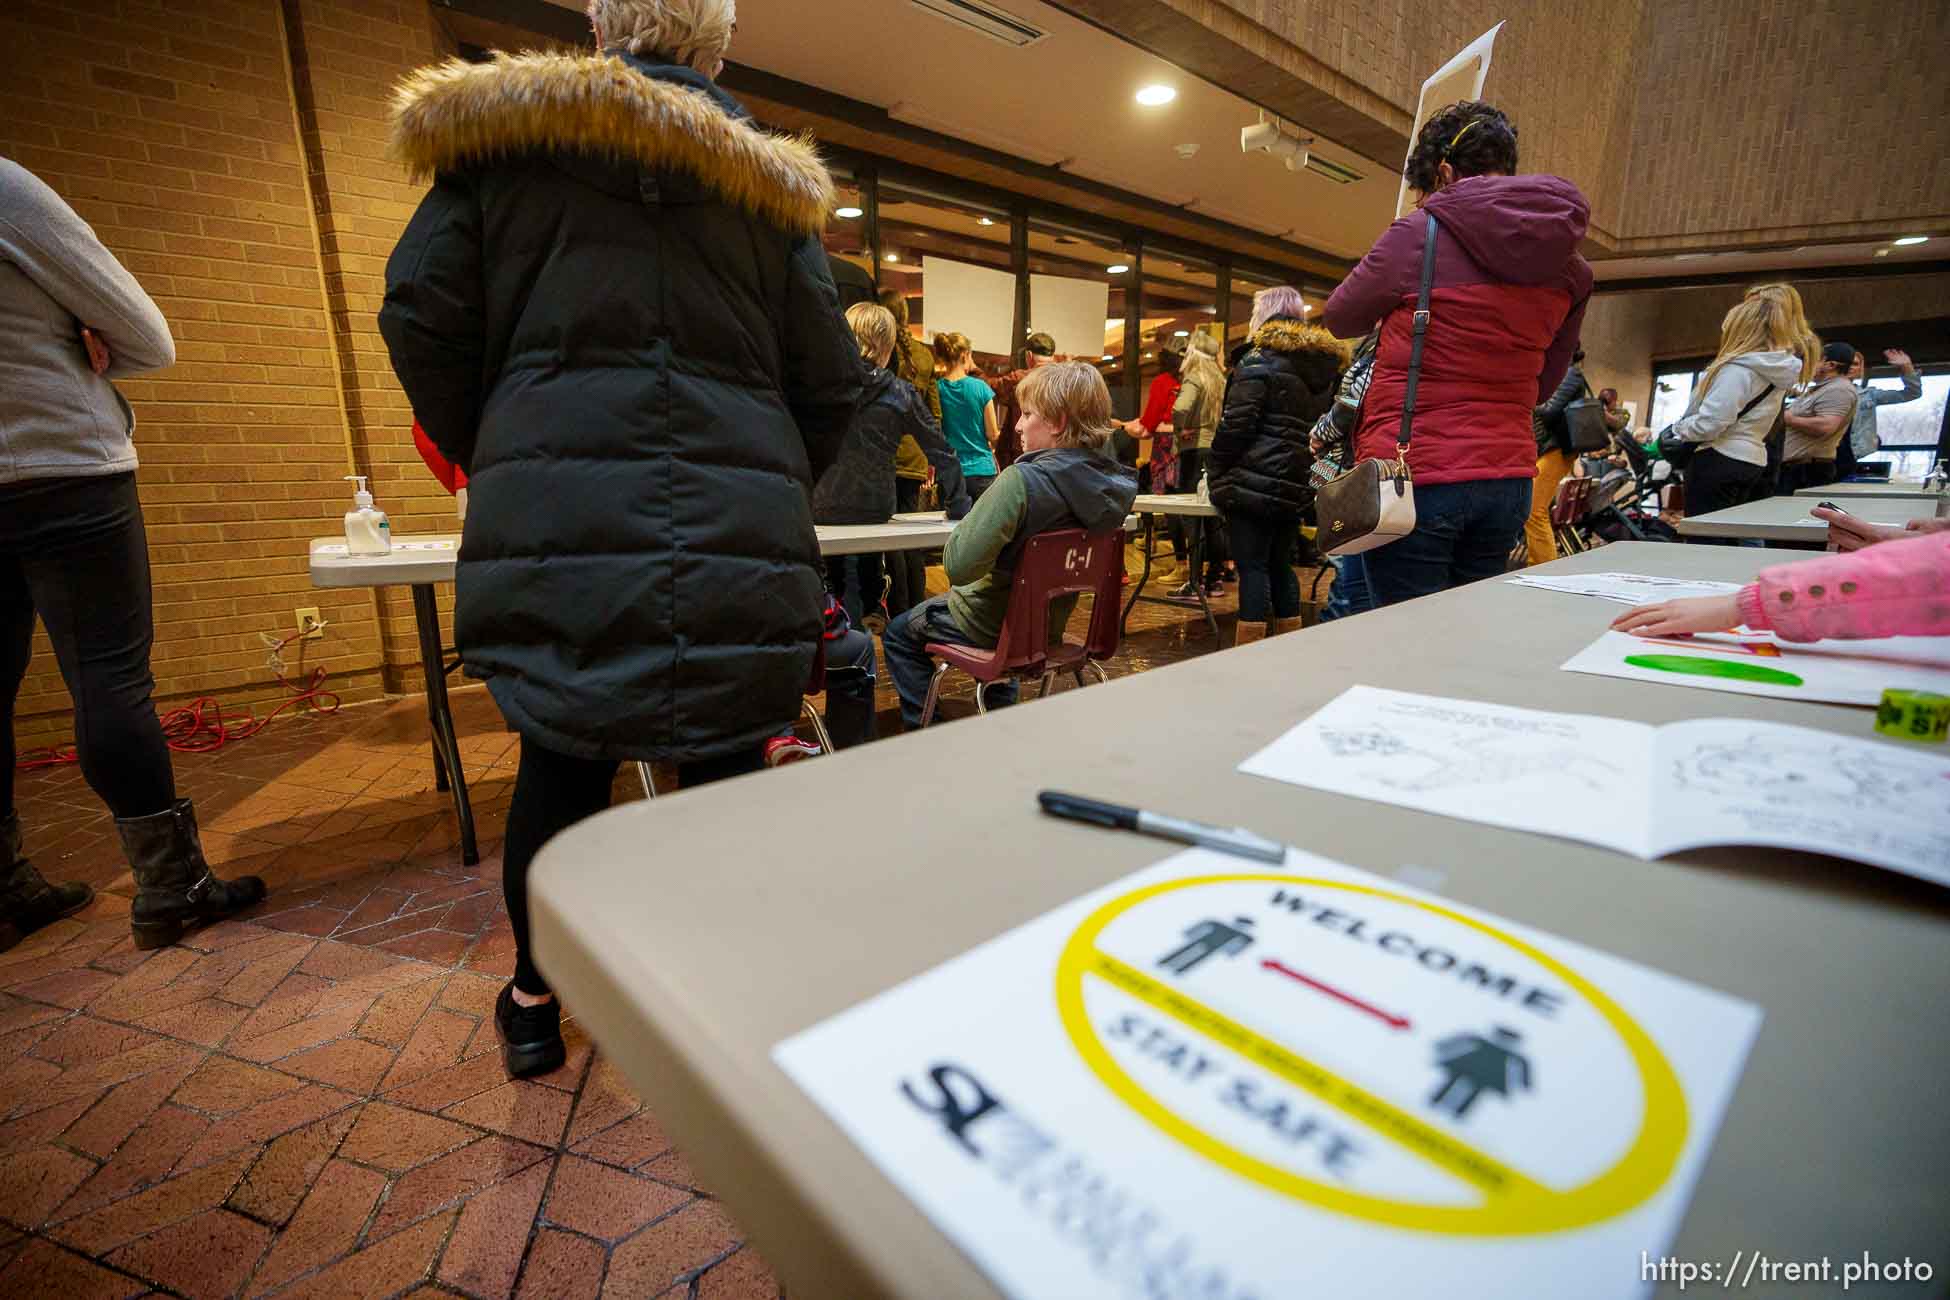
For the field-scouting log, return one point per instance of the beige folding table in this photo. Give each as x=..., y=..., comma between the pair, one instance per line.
x=694, y=934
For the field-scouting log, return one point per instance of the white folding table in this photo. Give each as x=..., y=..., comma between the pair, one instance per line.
x=422, y=562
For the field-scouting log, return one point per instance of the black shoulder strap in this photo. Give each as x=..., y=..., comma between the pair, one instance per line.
x=1421, y=330
x=1758, y=399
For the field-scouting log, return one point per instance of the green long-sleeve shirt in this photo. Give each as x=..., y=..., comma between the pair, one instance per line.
x=978, y=596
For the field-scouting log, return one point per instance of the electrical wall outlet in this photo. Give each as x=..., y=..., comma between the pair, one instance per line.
x=310, y=623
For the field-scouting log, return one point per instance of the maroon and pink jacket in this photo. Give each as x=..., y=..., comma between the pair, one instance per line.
x=1504, y=317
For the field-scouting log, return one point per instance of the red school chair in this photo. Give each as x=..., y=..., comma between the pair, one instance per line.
x=1569, y=506
x=1066, y=562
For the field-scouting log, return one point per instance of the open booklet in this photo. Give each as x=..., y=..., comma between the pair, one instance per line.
x=1629, y=786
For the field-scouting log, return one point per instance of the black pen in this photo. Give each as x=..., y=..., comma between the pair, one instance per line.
x=1234, y=840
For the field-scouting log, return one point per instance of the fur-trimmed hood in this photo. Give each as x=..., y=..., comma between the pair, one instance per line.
x=1285, y=334
x=457, y=113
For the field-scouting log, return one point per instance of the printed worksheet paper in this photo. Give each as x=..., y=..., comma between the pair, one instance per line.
x=1627, y=588
x=1628, y=786
x=1216, y=1080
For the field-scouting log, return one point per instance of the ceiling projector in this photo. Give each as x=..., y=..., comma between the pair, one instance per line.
x=1267, y=137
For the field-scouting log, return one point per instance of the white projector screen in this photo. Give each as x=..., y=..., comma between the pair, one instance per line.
x=973, y=300
x=1070, y=311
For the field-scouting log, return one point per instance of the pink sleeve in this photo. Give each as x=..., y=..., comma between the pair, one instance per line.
x=1897, y=588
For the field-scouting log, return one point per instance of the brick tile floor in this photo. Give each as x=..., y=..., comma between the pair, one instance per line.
x=308, y=1100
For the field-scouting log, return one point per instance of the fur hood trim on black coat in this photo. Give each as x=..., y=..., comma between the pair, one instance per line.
x=456, y=113
x=1285, y=334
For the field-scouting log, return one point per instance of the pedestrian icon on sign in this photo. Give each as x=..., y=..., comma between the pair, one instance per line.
x=1209, y=938
x=1473, y=1065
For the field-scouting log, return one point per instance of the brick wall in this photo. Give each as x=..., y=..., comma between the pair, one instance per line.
x=1788, y=122
x=170, y=129
x=346, y=57
x=231, y=153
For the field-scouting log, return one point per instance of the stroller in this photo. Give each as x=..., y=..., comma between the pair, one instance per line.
x=1625, y=503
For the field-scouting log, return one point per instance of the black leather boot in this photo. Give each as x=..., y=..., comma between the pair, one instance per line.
x=531, y=1037
x=28, y=902
x=174, y=888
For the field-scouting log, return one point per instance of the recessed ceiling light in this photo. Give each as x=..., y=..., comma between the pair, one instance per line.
x=1116, y=268
x=1152, y=96
x=1907, y=240
x=893, y=257
x=985, y=221
x=847, y=214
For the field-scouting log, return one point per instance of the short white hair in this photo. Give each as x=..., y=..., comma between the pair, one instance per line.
x=1280, y=300
x=694, y=32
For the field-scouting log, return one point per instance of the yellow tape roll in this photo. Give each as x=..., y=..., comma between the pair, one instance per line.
x=1914, y=715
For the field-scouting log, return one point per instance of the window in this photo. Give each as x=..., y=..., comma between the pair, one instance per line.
x=1910, y=431
x=1672, y=393
x=1180, y=296
x=950, y=257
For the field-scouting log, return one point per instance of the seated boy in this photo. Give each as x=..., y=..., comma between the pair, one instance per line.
x=1067, y=477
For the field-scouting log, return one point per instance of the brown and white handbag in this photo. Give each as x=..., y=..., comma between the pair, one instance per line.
x=1373, y=503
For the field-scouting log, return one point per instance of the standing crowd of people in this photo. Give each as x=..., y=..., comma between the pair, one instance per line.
x=612, y=311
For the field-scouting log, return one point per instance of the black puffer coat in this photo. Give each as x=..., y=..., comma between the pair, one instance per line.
x=858, y=488
x=614, y=312
x=1259, y=458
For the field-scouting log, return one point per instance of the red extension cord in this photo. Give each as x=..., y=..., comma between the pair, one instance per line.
x=199, y=726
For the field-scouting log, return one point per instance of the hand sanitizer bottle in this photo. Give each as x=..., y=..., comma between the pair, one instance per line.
x=367, y=530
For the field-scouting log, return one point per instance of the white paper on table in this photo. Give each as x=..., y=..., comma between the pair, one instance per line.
x=1125, y=1099
x=1628, y=786
x=1759, y=663
x=1724, y=781
x=1569, y=774
x=1628, y=588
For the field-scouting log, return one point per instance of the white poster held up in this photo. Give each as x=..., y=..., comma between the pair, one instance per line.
x=1073, y=312
x=1460, y=78
x=978, y=301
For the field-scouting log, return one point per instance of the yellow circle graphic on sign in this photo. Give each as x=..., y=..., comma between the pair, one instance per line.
x=1512, y=1205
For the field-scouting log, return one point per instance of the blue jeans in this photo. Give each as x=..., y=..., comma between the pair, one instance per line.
x=905, y=643
x=1464, y=532
x=1350, y=594
x=1263, y=549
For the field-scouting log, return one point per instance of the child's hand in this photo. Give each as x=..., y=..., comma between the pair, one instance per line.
x=1681, y=617
x=1848, y=532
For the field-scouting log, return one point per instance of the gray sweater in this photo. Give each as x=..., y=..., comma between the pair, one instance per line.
x=58, y=418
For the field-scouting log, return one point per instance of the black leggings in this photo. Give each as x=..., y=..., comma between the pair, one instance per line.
x=1716, y=482
x=552, y=793
x=73, y=549
x=910, y=568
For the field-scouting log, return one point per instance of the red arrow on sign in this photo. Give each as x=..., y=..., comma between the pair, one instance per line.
x=1386, y=1018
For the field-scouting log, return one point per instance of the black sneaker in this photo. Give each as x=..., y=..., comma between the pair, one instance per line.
x=531, y=1037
